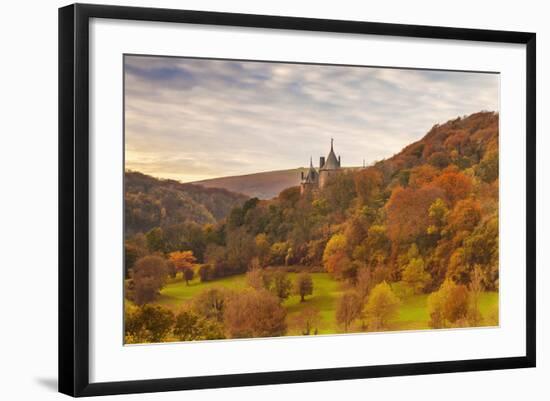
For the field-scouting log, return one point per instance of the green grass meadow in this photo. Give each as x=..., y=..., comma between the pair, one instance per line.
x=413, y=312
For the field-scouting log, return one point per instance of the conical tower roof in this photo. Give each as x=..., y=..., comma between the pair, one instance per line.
x=332, y=161
x=312, y=173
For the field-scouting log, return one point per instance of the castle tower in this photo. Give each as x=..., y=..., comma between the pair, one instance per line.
x=330, y=167
x=311, y=179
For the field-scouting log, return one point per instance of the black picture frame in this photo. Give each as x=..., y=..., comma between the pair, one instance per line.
x=74, y=198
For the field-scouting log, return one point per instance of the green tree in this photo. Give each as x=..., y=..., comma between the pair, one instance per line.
x=303, y=285
x=155, y=240
x=281, y=285
x=414, y=274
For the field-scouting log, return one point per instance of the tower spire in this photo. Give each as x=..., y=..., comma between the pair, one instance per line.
x=310, y=161
x=331, y=143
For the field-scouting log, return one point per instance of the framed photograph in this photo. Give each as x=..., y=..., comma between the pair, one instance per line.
x=250, y=199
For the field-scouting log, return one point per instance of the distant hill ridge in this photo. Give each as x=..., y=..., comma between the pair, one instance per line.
x=152, y=202
x=264, y=185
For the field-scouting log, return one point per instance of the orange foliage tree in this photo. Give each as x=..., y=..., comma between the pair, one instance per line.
x=183, y=262
x=455, y=184
x=422, y=175
x=367, y=184
x=407, y=212
x=465, y=215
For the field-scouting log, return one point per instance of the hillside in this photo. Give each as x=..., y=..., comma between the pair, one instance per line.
x=465, y=142
x=150, y=202
x=265, y=185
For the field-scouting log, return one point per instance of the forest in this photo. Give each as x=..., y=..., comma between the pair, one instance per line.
x=408, y=243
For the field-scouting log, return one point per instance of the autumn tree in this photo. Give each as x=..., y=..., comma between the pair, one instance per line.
x=414, y=274
x=148, y=277
x=448, y=305
x=364, y=283
x=438, y=213
x=487, y=169
x=259, y=279
x=188, y=274
x=476, y=289
x=262, y=248
x=184, y=261
x=355, y=231
x=422, y=175
x=465, y=216
x=455, y=184
x=381, y=307
x=303, y=285
x=254, y=314
x=335, y=258
x=190, y=326
x=278, y=252
x=481, y=248
x=439, y=159
x=132, y=252
x=367, y=184
x=339, y=192
x=133, y=328
x=149, y=323
x=155, y=240
x=308, y=320
x=205, y=273
x=281, y=284
x=407, y=212
x=240, y=250
x=377, y=245
x=459, y=269
x=348, y=309
x=210, y=303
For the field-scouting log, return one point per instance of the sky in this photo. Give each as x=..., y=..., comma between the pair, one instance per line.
x=193, y=119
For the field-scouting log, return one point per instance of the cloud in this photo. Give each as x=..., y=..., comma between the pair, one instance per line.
x=191, y=119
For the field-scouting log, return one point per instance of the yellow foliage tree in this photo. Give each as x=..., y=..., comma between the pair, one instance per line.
x=382, y=306
x=335, y=258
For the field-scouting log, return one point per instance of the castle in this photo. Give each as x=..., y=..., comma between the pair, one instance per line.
x=314, y=179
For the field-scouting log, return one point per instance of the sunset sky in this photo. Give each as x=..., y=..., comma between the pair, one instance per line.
x=191, y=119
